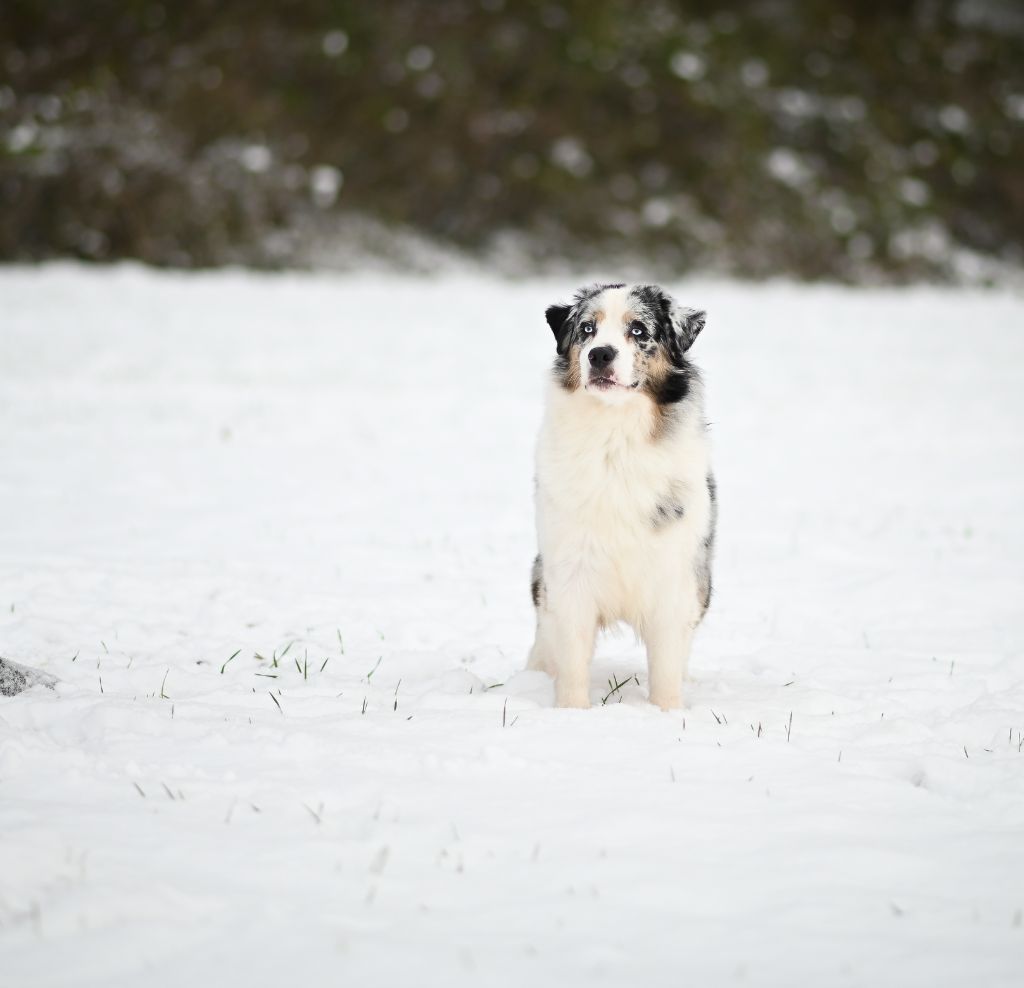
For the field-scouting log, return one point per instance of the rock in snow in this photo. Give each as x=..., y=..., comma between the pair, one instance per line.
x=16, y=678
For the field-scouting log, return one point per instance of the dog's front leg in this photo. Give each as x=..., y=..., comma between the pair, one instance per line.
x=572, y=634
x=668, y=639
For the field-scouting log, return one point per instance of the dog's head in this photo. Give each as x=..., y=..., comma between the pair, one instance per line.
x=618, y=341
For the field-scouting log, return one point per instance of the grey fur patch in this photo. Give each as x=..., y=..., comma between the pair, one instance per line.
x=667, y=510
x=537, y=589
x=702, y=564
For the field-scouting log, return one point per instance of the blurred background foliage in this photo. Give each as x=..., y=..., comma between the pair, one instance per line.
x=867, y=141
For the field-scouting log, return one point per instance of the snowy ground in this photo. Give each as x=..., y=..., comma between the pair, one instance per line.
x=200, y=473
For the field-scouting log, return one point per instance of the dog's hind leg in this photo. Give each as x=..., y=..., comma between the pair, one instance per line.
x=565, y=639
x=541, y=657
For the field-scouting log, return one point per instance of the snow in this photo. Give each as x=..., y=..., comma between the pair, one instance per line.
x=197, y=465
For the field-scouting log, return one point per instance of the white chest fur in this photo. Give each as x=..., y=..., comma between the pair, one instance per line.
x=609, y=481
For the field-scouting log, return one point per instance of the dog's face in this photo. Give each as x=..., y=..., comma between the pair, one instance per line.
x=619, y=341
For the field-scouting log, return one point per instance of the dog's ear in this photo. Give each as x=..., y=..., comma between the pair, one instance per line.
x=688, y=324
x=558, y=320
x=684, y=322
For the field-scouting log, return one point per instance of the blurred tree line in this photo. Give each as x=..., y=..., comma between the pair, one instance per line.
x=869, y=140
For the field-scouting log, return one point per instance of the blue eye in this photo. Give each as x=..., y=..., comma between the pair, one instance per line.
x=588, y=328
x=637, y=329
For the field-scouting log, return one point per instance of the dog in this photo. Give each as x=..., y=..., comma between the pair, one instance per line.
x=625, y=497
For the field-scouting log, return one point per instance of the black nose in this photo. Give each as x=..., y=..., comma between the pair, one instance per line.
x=602, y=356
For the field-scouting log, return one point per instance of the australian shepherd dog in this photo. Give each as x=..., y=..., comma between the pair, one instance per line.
x=625, y=494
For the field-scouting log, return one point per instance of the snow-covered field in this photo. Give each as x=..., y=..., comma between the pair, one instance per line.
x=273, y=535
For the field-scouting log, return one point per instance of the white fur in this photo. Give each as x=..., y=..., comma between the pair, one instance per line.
x=602, y=469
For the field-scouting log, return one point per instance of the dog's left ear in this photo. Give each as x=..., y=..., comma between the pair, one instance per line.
x=558, y=320
x=686, y=323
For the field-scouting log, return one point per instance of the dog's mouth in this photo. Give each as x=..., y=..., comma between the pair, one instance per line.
x=604, y=382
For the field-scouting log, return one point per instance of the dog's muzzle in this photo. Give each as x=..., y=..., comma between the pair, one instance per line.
x=601, y=357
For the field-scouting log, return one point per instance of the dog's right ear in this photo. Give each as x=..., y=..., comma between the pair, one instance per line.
x=558, y=320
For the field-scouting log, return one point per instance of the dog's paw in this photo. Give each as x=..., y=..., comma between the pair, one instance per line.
x=575, y=698
x=583, y=704
x=667, y=701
